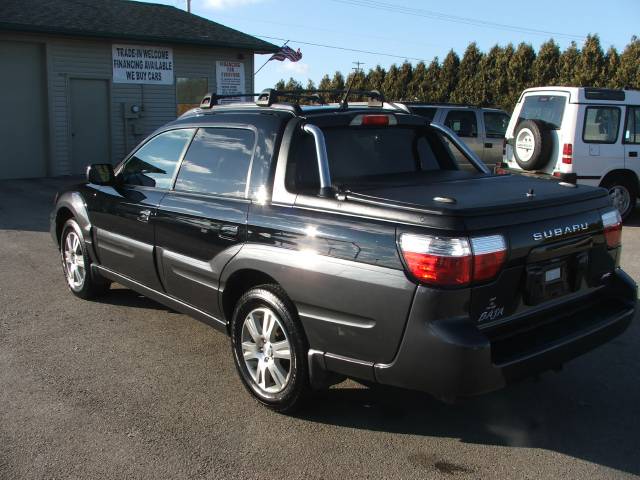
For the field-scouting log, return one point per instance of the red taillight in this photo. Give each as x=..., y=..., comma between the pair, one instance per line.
x=374, y=120
x=612, y=224
x=567, y=153
x=489, y=254
x=445, y=261
x=377, y=120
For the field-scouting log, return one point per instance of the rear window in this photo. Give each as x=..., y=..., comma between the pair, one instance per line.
x=546, y=108
x=367, y=152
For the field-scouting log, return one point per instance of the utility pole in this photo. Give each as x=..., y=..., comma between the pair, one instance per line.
x=189, y=6
x=357, y=68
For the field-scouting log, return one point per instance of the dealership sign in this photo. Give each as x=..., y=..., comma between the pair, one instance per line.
x=142, y=64
x=230, y=80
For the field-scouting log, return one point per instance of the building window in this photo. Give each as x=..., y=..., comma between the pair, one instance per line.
x=189, y=93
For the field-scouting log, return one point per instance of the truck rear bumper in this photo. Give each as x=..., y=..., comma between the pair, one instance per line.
x=455, y=358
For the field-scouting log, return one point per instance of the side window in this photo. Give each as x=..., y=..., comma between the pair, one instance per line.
x=495, y=124
x=632, y=131
x=426, y=112
x=601, y=124
x=154, y=164
x=217, y=162
x=462, y=122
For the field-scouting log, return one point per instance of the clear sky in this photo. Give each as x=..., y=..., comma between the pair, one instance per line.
x=410, y=29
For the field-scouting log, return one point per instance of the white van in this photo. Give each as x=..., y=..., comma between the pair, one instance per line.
x=578, y=134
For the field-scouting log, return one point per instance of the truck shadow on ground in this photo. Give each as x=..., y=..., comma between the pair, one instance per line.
x=573, y=413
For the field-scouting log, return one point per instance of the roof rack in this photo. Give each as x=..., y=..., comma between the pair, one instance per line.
x=270, y=96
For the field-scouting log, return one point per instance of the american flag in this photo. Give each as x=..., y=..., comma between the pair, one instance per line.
x=287, y=52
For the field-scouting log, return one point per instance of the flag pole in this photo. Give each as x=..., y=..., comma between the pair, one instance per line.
x=256, y=72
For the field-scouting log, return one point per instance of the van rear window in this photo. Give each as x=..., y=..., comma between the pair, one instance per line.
x=546, y=108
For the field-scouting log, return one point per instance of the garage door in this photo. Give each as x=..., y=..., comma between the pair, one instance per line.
x=23, y=110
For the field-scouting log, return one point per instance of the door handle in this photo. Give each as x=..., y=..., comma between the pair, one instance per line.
x=228, y=231
x=144, y=215
x=633, y=154
x=488, y=145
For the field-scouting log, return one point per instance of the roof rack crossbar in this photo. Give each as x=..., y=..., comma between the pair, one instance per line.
x=210, y=99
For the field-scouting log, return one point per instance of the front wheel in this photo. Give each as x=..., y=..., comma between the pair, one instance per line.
x=76, y=264
x=270, y=348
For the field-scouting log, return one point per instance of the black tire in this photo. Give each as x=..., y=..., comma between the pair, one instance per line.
x=92, y=285
x=296, y=388
x=624, y=185
x=532, y=145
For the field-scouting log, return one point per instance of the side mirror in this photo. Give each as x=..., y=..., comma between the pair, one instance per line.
x=101, y=174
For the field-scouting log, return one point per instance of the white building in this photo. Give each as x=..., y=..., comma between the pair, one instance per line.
x=83, y=81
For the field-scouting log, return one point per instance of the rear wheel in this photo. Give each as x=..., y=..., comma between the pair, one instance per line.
x=623, y=192
x=270, y=349
x=76, y=264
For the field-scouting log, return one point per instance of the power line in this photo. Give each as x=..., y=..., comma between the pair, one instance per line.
x=368, y=52
x=390, y=7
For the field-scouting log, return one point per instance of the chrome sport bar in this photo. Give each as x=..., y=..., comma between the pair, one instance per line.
x=323, y=159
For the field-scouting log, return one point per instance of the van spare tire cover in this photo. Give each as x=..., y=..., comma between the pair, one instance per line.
x=532, y=144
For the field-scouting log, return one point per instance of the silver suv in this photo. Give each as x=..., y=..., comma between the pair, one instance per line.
x=481, y=129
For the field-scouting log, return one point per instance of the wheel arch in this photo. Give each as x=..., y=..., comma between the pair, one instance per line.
x=237, y=284
x=622, y=172
x=62, y=215
x=72, y=205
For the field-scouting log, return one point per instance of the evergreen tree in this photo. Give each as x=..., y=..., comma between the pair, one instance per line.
x=311, y=85
x=568, y=64
x=501, y=88
x=488, y=73
x=519, y=72
x=358, y=81
x=337, y=82
x=433, y=87
x=417, y=87
x=292, y=85
x=325, y=84
x=590, y=68
x=611, y=65
x=449, y=74
x=375, y=79
x=468, y=89
x=629, y=71
x=280, y=84
x=390, y=86
x=405, y=75
x=545, y=66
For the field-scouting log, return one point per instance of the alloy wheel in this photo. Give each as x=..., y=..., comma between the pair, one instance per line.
x=74, y=261
x=266, y=350
x=620, y=197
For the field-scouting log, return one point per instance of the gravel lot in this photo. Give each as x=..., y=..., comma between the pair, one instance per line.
x=125, y=388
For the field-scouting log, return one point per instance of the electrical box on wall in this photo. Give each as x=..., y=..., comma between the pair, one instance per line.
x=131, y=110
